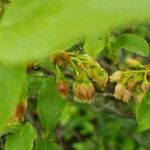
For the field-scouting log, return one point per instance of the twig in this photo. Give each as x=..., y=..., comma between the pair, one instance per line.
x=43, y=70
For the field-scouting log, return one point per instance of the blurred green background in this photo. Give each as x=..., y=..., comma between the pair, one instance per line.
x=100, y=126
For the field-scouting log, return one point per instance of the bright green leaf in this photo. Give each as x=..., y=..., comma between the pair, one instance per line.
x=22, y=140
x=49, y=105
x=34, y=29
x=94, y=45
x=143, y=113
x=133, y=43
x=11, y=80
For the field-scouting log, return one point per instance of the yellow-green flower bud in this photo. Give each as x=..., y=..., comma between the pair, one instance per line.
x=134, y=63
x=98, y=75
x=115, y=77
x=102, y=80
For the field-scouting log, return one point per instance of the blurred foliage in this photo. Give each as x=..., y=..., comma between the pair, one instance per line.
x=100, y=127
x=42, y=29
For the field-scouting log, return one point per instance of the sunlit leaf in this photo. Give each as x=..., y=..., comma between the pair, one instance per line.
x=143, y=113
x=133, y=43
x=49, y=105
x=22, y=140
x=94, y=45
x=34, y=29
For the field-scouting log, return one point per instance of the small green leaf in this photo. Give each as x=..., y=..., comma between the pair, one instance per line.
x=94, y=45
x=22, y=140
x=143, y=113
x=11, y=80
x=133, y=43
x=45, y=144
x=49, y=105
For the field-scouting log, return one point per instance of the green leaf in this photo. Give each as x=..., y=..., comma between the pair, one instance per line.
x=44, y=27
x=22, y=140
x=143, y=113
x=94, y=45
x=45, y=144
x=133, y=43
x=49, y=105
x=11, y=80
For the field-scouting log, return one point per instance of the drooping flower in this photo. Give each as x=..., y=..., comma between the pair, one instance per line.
x=119, y=89
x=115, y=77
x=126, y=95
x=83, y=91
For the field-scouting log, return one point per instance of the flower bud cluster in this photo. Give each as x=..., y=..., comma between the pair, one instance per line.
x=131, y=83
x=85, y=72
x=61, y=59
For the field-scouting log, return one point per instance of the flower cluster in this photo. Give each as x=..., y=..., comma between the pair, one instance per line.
x=84, y=70
x=131, y=83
